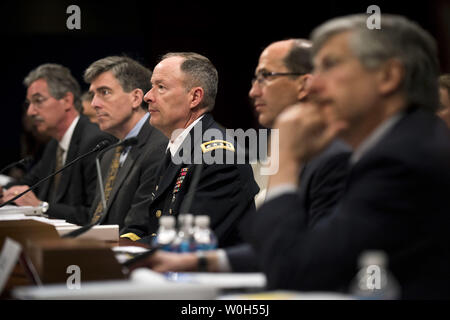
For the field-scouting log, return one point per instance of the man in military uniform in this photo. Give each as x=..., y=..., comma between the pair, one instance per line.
x=184, y=87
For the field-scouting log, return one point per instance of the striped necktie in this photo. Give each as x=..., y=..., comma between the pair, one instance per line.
x=112, y=174
x=59, y=164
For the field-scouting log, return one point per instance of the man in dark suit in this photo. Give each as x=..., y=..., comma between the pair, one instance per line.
x=184, y=87
x=377, y=90
x=281, y=79
x=54, y=103
x=117, y=87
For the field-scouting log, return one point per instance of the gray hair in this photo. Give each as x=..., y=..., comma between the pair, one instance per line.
x=444, y=82
x=59, y=81
x=398, y=38
x=298, y=59
x=200, y=72
x=86, y=96
x=129, y=73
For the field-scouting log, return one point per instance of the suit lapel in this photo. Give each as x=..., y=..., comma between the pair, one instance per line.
x=71, y=155
x=132, y=157
x=44, y=190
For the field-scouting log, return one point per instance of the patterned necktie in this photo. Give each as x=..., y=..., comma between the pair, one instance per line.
x=58, y=166
x=112, y=174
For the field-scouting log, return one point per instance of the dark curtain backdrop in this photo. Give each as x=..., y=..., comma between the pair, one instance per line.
x=230, y=33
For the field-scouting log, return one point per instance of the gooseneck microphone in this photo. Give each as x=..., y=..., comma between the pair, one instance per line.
x=83, y=229
x=25, y=161
x=103, y=144
x=185, y=206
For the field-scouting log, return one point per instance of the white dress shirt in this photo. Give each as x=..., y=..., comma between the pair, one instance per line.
x=64, y=143
x=175, y=144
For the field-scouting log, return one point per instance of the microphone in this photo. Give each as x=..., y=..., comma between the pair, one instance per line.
x=185, y=206
x=83, y=229
x=25, y=162
x=101, y=145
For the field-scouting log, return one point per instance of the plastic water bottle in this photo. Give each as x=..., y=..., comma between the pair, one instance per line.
x=204, y=237
x=166, y=233
x=374, y=281
x=184, y=241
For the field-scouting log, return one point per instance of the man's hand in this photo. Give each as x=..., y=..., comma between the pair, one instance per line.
x=305, y=129
x=28, y=199
x=162, y=261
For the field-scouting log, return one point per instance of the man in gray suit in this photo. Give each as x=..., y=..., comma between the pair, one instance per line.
x=117, y=86
x=53, y=98
x=281, y=79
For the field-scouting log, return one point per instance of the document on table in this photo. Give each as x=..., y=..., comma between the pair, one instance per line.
x=24, y=210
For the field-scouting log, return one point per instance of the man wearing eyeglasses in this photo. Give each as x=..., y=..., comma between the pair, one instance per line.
x=54, y=101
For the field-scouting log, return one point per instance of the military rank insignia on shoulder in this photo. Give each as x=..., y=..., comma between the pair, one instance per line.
x=217, y=144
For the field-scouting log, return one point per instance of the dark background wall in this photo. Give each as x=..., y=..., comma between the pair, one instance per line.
x=230, y=33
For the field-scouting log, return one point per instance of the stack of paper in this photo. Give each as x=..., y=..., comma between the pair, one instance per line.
x=154, y=287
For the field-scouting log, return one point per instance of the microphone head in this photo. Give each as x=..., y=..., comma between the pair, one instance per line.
x=130, y=142
x=102, y=144
x=26, y=161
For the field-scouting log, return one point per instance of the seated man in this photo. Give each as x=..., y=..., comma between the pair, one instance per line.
x=53, y=95
x=184, y=87
x=117, y=87
x=378, y=91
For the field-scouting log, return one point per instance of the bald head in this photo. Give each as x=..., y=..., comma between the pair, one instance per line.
x=279, y=49
x=290, y=60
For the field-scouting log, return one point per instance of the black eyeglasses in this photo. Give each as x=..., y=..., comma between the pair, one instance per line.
x=262, y=77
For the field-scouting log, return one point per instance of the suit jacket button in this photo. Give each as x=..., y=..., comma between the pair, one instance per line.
x=158, y=213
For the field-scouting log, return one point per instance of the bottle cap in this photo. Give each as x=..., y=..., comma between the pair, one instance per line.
x=372, y=257
x=167, y=221
x=185, y=219
x=202, y=221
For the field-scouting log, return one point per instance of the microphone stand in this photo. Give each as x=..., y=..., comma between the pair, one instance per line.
x=99, y=146
x=23, y=162
x=85, y=228
x=185, y=206
x=100, y=181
